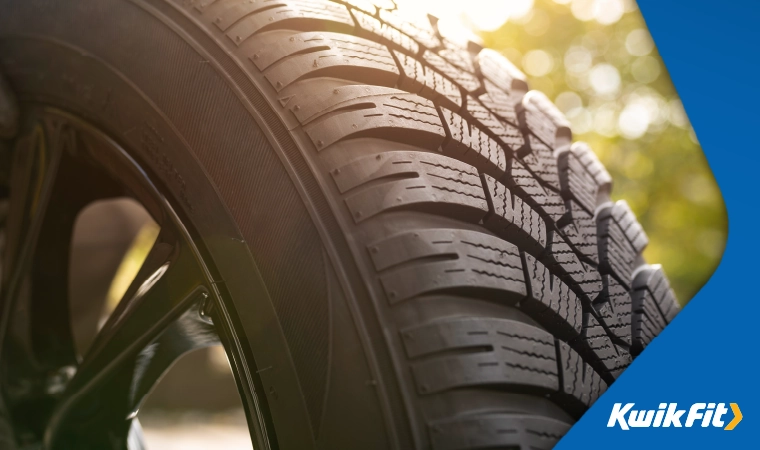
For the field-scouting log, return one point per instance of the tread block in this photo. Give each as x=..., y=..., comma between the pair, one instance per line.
x=449, y=259
x=308, y=104
x=308, y=55
x=538, y=115
x=610, y=358
x=576, y=271
x=621, y=241
x=417, y=26
x=397, y=115
x=496, y=430
x=479, y=351
x=457, y=56
x=428, y=83
x=615, y=308
x=507, y=134
x=372, y=27
x=400, y=180
x=500, y=71
x=466, y=80
x=500, y=103
x=581, y=231
x=542, y=162
x=473, y=146
x=549, y=202
x=582, y=177
x=550, y=301
x=581, y=385
x=302, y=15
x=654, y=305
x=513, y=219
x=589, y=159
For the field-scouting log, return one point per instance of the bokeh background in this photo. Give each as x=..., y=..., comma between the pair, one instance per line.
x=596, y=60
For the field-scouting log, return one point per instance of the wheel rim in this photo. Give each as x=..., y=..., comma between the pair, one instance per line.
x=172, y=307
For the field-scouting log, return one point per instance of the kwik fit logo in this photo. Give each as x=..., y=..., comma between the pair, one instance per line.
x=667, y=415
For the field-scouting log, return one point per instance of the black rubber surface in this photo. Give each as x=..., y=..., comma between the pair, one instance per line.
x=444, y=267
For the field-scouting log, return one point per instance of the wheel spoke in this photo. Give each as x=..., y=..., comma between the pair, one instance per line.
x=158, y=320
x=34, y=173
x=168, y=280
x=46, y=194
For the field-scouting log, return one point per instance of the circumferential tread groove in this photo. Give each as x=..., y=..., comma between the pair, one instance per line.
x=456, y=185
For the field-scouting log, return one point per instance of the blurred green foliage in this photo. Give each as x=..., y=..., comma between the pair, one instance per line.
x=611, y=83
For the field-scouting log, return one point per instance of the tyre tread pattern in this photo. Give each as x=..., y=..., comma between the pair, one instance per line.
x=499, y=206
